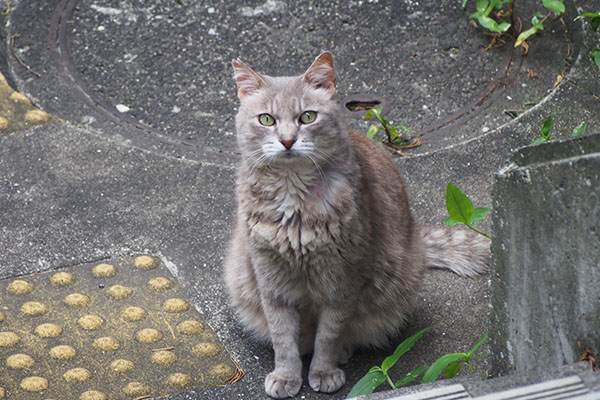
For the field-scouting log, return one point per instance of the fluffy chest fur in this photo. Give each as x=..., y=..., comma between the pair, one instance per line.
x=297, y=214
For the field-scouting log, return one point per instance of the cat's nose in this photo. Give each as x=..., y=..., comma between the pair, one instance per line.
x=287, y=143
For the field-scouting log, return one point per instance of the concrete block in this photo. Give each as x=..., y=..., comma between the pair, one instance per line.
x=546, y=256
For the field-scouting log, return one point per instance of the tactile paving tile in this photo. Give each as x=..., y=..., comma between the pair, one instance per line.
x=120, y=329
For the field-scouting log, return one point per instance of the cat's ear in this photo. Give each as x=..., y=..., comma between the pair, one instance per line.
x=321, y=73
x=248, y=81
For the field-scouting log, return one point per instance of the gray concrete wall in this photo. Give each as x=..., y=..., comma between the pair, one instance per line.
x=545, y=286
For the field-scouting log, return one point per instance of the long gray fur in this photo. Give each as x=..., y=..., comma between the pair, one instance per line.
x=325, y=255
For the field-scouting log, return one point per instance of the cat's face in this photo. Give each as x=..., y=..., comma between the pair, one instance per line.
x=287, y=119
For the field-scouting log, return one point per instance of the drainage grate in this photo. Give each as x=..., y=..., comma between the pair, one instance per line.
x=121, y=329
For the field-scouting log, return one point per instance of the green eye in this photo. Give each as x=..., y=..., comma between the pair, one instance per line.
x=307, y=117
x=266, y=119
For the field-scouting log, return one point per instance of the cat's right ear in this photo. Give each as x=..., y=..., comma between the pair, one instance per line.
x=248, y=81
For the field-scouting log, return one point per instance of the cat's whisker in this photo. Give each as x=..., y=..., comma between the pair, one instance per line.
x=319, y=169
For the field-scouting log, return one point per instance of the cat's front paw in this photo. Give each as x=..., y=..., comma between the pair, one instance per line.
x=327, y=381
x=281, y=386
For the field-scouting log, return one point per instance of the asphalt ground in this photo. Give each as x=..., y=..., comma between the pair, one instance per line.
x=97, y=183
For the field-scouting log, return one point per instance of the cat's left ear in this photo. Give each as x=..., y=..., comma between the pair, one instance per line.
x=321, y=73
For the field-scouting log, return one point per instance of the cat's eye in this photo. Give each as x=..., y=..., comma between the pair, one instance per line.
x=266, y=119
x=307, y=117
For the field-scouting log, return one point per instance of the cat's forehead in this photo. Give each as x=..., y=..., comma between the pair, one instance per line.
x=291, y=93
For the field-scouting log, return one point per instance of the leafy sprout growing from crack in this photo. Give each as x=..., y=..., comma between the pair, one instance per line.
x=461, y=210
x=449, y=364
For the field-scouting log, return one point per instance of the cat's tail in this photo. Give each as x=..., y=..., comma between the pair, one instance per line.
x=466, y=253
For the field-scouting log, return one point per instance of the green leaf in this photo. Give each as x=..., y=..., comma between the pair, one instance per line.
x=479, y=213
x=411, y=376
x=436, y=369
x=372, y=131
x=453, y=369
x=547, y=126
x=460, y=208
x=556, y=6
x=464, y=3
x=369, y=114
x=595, y=56
x=477, y=345
x=579, y=130
x=368, y=383
x=537, y=141
x=525, y=35
x=402, y=348
x=489, y=23
x=481, y=5
x=450, y=222
x=594, y=23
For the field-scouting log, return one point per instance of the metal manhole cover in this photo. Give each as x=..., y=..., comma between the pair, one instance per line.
x=121, y=329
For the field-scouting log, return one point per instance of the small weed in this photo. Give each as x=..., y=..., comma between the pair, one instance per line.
x=547, y=127
x=594, y=24
x=545, y=131
x=377, y=375
x=491, y=15
x=461, y=210
x=396, y=135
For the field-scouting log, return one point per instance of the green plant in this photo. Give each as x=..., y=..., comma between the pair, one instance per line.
x=396, y=134
x=378, y=375
x=491, y=15
x=594, y=24
x=579, y=130
x=461, y=210
x=545, y=130
x=547, y=127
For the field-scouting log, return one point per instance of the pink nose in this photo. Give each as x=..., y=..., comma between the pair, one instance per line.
x=287, y=143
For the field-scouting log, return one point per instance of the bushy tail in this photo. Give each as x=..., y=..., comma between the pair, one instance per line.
x=467, y=253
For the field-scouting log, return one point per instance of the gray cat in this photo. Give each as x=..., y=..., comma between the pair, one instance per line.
x=325, y=255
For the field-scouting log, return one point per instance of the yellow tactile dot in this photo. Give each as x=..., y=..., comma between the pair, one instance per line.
x=190, y=327
x=206, y=349
x=145, y=262
x=34, y=308
x=106, y=343
x=78, y=300
x=2, y=316
x=148, y=335
x=179, y=379
x=34, y=384
x=20, y=361
x=163, y=357
x=104, y=271
x=62, y=279
x=122, y=366
x=37, y=116
x=62, y=352
x=133, y=313
x=90, y=322
x=4, y=123
x=136, y=389
x=221, y=372
x=119, y=292
x=19, y=287
x=77, y=375
x=160, y=284
x=175, y=305
x=92, y=395
x=20, y=98
x=8, y=339
x=48, y=331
